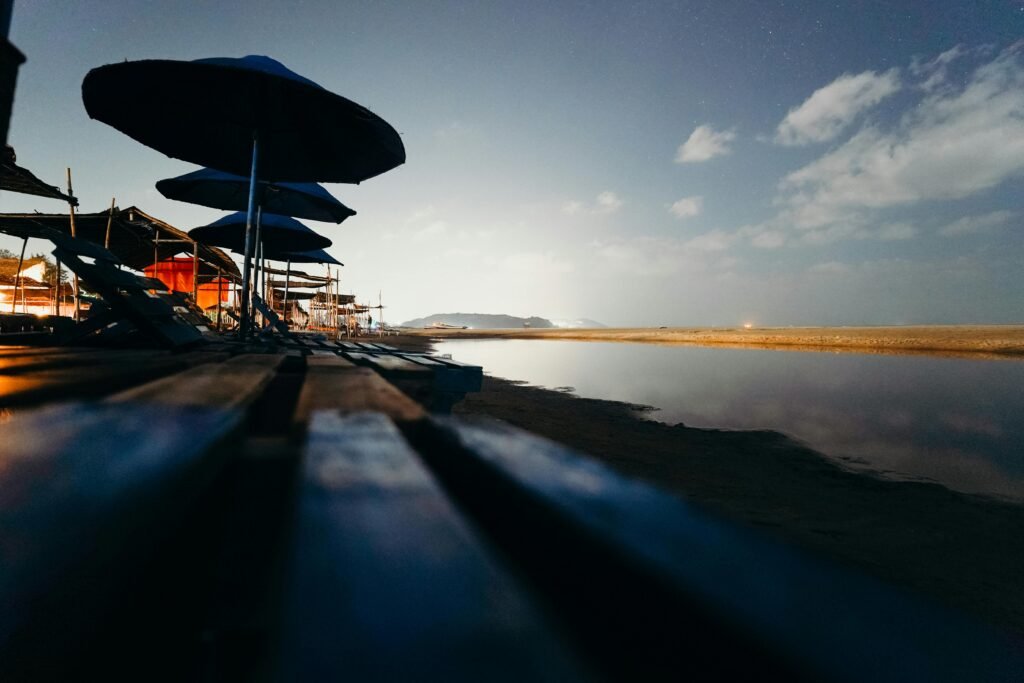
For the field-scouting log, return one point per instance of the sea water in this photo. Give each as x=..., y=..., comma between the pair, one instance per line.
x=958, y=422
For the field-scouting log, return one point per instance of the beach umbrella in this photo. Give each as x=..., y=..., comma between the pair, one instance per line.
x=249, y=116
x=313, y=256
x=220, y=190
x=277, y=233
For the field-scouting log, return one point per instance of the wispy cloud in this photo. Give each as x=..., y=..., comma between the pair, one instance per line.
x=605, y=203
x=430, y=231
x=830, y=109
x=421, y=213
x=687, y=207
x=934, y=72
x=704, y=143
x=971, y=225
x=953, y=144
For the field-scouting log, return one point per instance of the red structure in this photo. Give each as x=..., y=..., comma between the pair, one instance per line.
x=178, y=274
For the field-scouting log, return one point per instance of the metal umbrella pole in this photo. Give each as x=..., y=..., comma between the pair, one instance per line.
x=250, y=243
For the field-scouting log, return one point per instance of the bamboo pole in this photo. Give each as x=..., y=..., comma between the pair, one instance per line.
x=56, y=299
x=220, y=286
x=71, y=216
x=110, y=219
x=17, y=278
x=195, y=272
x=287, y=277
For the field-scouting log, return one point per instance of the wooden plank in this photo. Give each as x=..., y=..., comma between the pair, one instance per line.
x=11, y=365
x=698, y=594
x=335, y=383
x=388, y=583
x=387, y=363
x=87, y=493
x=448, y=378
x=98, y=379
x=234, y=384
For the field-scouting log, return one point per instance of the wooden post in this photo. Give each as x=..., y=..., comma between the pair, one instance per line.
x=287, y=277
x=17, y=278
x=195, y=272
x=71, y=216
x=220, y=285
x=110, y=219
x=56, y=298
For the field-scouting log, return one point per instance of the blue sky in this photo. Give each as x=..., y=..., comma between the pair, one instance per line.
x=636, y=163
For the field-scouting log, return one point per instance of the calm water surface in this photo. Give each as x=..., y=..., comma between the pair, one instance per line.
x=957, y=422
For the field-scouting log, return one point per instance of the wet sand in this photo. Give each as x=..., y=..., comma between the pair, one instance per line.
x=961, y=550
x=959, y=340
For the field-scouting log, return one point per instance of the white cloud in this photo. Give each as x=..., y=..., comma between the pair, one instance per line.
x=704, y=143
x=605, y=203
x=934, y=72
x=608, y=202
x=832, y=108
x=952, y=145
x=970, y=225
x=687, y=207
x=572, y=207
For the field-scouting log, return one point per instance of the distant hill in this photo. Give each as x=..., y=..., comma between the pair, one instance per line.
x=579, y=324
x=478, y=321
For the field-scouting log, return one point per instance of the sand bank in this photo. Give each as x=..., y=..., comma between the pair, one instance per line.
x=994, y=341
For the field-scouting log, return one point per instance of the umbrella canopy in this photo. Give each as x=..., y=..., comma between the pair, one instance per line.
x=313, y=256
x=277, y=233
x=220, y=190
x=208, y=112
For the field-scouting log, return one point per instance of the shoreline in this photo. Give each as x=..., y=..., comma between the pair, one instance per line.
x=994, y=342
x=961, y=550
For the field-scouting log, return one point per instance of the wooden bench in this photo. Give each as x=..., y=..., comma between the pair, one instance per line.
x=88, y=491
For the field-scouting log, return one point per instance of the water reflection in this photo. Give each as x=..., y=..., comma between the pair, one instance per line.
x=950, y=420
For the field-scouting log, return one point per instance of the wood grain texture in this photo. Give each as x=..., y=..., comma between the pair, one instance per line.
x=388, y=583
x=697, y=591
x=234, y=383
x=335, y=383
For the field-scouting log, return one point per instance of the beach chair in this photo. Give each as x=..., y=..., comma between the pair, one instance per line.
x=127, y=297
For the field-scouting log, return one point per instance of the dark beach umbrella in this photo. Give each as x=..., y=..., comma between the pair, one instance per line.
x=277, y=233
x=313, y=256
x=220, y=190
x=209, y=112
x=249, y=116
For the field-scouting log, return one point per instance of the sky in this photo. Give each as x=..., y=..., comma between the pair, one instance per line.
x=638, y=164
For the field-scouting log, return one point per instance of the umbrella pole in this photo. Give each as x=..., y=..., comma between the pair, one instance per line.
x=243, y=328
x=287, y=277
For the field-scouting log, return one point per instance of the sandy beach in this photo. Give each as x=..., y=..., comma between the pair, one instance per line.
x=971, y=340
x=964, y=551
